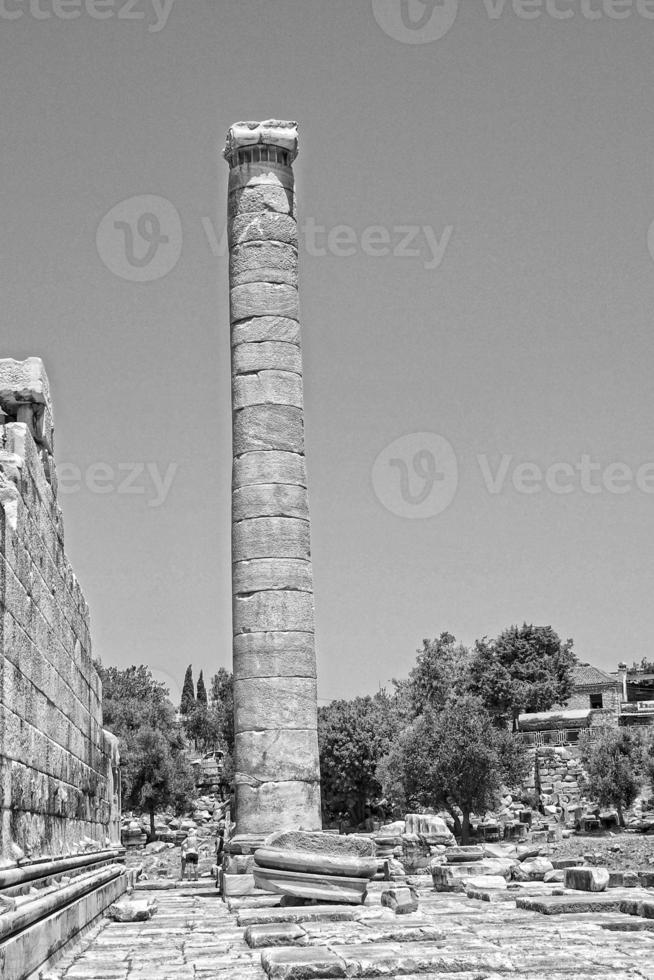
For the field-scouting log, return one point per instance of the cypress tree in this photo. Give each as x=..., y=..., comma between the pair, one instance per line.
x=188, y=692
x=201, y=696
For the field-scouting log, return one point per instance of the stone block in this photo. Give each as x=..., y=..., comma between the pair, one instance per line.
x=263, y=299
x=533, y=869
x=280, y=654
x=485, y=883
x=239, y=884
x=270, y=500
x=337, y=864
x=451, y=877
x=268, y=197
x=131, y=910
x=587, y=879
x=269, y=467
x=300, y=913
x=270, y=703
x=280, y=754
x=314, y=887
x=270, y=387
x=270, y=537
x=456, y=855
x=623, y=879
x=264, y=574
x=302, y=964
x=23, y=382
x=266, y=356
x=261, y=612
x=278, y=805
x=401, y=899
x=238, y=864
x=569, y=904
x=260, y=428
x=266, y=329
x=263, y=261
x=275, y=934
x=266, y=226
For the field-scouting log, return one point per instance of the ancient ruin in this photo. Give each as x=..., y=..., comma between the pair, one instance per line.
x=278, y=776
x=59, y=770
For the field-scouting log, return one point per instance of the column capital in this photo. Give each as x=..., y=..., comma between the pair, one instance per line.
x=272, y=140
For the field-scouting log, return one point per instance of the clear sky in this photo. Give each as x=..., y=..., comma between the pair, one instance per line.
x=488, y=304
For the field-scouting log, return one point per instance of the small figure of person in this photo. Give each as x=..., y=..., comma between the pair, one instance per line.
x=190, y=854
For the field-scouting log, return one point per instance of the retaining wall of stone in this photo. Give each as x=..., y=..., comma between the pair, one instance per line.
x=59, y=777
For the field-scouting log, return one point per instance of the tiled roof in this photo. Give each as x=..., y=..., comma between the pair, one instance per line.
x=585, y=675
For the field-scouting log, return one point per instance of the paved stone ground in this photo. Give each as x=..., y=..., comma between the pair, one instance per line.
x=194, y=935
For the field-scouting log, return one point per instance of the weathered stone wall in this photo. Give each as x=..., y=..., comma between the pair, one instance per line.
x=58, y=769
x=581, y=698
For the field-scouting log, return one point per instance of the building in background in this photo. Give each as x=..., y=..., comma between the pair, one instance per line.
x=637, y=693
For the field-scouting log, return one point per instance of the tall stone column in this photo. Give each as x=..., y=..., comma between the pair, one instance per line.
x=278, y=775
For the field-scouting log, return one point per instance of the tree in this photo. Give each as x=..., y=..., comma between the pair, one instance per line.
x=614, y=765
x=443, y=666
x=456, y=759
x=353, y=737
x=526, y=668
x=188, y=692
x=205, y=727
x=201, y=696
x=160, y=776
x=222, y=699
x=648, y=758
x=154, y=769
x=132, y=698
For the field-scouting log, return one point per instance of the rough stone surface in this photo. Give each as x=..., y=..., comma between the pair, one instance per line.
x=276, y=934
x=278, y=610
x=289, y=702
x=267, y=467
x=275, y=754
x=58, y=768
x=457, y=855
x=269, y=387
x=535, y=869
x=263, y=261
x=265, y=427
x=452, y=877
x=264, y=298
x=587, y=879
x=401, y=899
x=271, y=537
x=315, y=887
x=270, y=500
x=267, y=655
x=486, y=882
x=274, y=805
x=265, y=574
x=319, y=843
x=132, y=910
x=266, y=356
x=264, y=226
x=316, y=862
